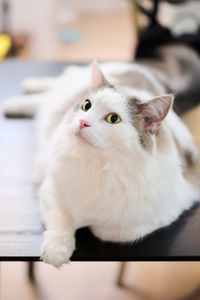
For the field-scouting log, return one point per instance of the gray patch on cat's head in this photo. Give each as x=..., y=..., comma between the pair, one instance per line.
x=145, y=138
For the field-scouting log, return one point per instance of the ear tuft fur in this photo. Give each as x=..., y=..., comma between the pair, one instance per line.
x=98, y=78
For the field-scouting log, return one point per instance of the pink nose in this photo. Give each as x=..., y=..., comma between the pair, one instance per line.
x=83, y=124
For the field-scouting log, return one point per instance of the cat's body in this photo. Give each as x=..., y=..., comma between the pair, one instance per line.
x=123, y=179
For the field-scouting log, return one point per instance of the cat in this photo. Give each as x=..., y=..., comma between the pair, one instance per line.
x=112, y=155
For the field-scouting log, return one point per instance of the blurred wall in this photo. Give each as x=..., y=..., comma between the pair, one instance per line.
x=27, y=15
x=45, y=20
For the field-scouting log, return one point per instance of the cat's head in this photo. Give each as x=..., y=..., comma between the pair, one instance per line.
x=108, y=119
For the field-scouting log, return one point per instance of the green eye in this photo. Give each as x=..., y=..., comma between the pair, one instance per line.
x=86, y=105
x=113, y=118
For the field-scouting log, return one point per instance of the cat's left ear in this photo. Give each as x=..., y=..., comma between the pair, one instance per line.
x=154, y=111
x=98, y=78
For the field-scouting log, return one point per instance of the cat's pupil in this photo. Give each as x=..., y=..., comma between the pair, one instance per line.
x=114, y=118
x=87, y=105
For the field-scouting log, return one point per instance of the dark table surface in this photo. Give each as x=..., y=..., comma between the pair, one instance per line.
x=20, y=225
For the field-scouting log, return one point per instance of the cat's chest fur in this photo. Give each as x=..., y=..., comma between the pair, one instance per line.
x=110, y=190
x=97, y=189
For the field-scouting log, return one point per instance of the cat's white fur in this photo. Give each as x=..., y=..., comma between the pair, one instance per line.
x=103, y=177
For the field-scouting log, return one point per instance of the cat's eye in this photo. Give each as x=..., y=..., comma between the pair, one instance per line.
x=87, y=105
x=112, y=118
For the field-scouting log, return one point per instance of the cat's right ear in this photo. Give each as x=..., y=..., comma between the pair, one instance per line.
x=153, y=112
x=98, y=78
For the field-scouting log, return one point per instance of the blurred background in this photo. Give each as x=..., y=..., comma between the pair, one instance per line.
x=98, y=281
x=70, y=30
x=80, y=31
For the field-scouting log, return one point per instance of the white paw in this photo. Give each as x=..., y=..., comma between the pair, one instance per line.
x=57, y=248
x=11, y=107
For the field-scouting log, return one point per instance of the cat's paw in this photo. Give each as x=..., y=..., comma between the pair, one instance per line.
x=57, y=248
x=12, y=107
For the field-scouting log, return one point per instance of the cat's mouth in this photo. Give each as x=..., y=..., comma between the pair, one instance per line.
x=81, y=136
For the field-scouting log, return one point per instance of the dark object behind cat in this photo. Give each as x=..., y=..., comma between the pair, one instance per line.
x=179, y=71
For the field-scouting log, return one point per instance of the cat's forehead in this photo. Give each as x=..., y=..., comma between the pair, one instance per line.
x=108, y=98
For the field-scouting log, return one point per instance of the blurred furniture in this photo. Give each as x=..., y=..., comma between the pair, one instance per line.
x=154, y=34
x=20, y=225
x=169, y=269
x=10, y=45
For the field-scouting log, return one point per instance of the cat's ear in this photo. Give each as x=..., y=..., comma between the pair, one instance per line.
x=154, y=111
x=98, y=78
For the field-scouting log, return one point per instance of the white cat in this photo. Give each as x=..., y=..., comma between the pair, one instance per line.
x=110, y=155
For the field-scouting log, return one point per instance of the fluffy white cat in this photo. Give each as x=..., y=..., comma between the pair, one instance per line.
x=111, y=155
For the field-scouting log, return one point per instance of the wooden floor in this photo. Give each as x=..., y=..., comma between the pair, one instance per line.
x=88, y=281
